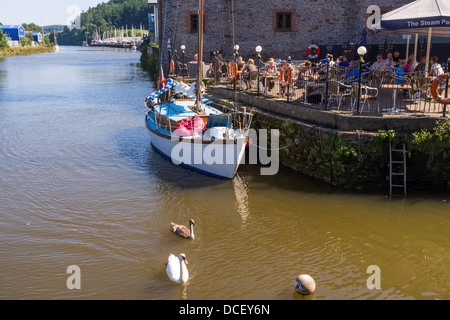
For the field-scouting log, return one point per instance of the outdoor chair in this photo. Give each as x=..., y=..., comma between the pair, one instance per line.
x=182, y=69
x=404, y=85
x=252, y=80
x=388, y=75
x=367, y=94
x=336, y=92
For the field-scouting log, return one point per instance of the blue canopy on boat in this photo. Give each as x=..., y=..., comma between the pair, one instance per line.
x=170, y=84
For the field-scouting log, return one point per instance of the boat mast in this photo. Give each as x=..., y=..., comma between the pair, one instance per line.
x=200, y=55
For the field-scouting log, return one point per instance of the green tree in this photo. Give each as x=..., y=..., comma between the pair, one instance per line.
x=3, y=42
x=26, y=41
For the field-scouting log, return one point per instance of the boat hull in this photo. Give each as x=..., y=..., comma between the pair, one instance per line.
x=220, y=158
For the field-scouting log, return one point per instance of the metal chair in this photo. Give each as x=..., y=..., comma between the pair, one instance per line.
x=252, y=79
x=366, y=94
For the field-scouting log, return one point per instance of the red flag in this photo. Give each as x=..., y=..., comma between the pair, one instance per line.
x=162, y=79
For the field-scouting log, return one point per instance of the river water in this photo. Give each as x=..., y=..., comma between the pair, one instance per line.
x=81, y=185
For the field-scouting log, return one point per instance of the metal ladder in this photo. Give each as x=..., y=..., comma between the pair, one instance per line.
x=394, y=171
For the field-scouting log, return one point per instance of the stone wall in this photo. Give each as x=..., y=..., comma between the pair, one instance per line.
x=350, y=153
x=251, y=23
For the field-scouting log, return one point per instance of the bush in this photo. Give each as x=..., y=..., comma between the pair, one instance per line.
x=3, y=42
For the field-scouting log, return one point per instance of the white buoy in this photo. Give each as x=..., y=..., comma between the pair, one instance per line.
x=305, y=284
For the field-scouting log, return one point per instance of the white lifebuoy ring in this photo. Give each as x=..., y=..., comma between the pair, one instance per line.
x=313, y=51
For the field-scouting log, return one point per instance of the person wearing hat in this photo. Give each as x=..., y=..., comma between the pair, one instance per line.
x=271, y=69
x=250, y=66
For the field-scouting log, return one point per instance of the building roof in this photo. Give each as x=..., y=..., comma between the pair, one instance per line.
x=11, y=26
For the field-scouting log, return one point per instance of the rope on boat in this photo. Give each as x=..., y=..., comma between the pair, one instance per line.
x=293, y=143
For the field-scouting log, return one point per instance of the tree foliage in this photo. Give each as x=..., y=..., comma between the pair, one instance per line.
x=3, y=42
x=32, y=27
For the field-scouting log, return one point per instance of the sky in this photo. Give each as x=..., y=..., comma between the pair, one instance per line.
x=43, y=12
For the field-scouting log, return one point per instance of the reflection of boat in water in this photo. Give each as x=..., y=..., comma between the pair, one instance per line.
x=196, y=134
x=193, y=131
x=240, y=187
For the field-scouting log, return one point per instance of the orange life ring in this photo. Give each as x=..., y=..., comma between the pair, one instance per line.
x=172, y=67
x=232, y=70
x=313, y=51
x=286, y=70
x=434, y=88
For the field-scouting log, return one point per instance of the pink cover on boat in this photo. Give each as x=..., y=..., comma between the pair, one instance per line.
x=190, y=127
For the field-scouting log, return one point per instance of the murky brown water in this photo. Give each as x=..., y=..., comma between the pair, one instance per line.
x=81, y=185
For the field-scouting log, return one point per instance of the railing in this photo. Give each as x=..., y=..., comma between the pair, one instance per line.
x=381, y=93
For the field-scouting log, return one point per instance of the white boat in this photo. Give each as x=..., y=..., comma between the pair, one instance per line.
x=55, y=47
x=193, y=131
x=215, y=141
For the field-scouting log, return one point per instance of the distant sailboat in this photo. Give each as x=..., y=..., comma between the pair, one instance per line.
x=56, y=47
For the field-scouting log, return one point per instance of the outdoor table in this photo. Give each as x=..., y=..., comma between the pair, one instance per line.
x=266, y=77
x=394, y=88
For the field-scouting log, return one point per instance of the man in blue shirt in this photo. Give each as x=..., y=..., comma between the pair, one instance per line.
x=353, y=73
x=344, y=62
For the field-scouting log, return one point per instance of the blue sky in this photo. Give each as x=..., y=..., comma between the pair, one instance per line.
x=42, y=12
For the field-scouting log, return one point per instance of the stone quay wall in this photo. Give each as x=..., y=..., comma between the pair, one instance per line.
x=345, y=151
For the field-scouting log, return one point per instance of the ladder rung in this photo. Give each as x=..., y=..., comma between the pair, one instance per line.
x=398, y=185
x=398, y=150
x=397, y=161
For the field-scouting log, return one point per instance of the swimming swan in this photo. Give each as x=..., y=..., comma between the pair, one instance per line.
x=183, y=231
x=176, y=268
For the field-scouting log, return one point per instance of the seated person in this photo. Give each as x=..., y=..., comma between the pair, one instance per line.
x=408, y=66
x=389, y=60
x=353, y=73
x=436, y=69
x=377, y=68
x=247, y=69
x=323, y=63
x=396, y=59
x=271, y=68
x=400, y=73
x=240, y=66
x=304, y=74
x=195, y=58
x=344, y=63
x=421, y=66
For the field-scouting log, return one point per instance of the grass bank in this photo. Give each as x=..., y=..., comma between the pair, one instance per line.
x=23, y=51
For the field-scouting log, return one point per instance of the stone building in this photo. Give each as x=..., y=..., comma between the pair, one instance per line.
x=281, y=27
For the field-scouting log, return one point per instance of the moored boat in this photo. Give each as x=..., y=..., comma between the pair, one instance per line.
x=196, y=134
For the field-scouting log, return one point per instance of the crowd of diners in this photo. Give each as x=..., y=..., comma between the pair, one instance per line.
x=347, y=71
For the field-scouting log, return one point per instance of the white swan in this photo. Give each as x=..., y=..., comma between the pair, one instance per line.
x=176, y=268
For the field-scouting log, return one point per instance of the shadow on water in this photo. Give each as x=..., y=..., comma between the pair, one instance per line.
x=134, y=145
x=2, y=77
x=177, y=175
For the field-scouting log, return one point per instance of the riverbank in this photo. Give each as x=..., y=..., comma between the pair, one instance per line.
x=150, y=60
x=24, y=51
x=348, y=151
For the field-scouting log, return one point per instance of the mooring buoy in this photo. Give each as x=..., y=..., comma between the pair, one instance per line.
x=305, y=284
